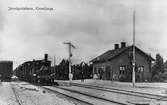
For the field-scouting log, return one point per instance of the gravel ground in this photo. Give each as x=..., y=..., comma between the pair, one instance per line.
x=28, y=95
x=7, y=96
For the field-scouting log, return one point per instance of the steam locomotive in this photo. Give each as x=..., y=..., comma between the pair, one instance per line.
x=36, y=71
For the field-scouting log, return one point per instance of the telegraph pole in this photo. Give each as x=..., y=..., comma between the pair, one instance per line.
x=70, y=45
x=134, y=59
x=54, y=64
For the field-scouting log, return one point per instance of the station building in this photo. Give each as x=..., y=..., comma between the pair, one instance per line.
x=116, y=64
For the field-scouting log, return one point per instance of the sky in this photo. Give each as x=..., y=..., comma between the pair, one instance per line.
x=93, y=26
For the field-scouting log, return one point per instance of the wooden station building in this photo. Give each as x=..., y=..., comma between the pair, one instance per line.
x=116, y=64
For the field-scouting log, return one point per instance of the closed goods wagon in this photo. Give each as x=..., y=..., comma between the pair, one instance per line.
x=6, y=68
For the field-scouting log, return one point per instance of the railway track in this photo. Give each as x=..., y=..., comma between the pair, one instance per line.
x=17, y=97
x=121, y=91
x=88, y=99
x=68, y=96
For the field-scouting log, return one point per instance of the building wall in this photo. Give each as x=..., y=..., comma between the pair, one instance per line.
x=120, y=60
x=112, y=68
x=103, y=66
x=141, y=60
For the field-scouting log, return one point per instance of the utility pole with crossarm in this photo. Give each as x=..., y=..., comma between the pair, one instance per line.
x=70, y=45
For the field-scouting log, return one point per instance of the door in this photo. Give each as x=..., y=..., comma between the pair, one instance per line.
x=108, y=73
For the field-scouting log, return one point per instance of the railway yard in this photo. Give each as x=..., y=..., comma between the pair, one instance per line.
x=89, y=92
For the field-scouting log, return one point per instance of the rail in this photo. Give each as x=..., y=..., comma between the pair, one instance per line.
x=87, y=95
x=122, y=91
x=17, y=98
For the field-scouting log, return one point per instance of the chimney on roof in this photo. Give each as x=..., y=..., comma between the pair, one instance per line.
x=46, y=57
x=123, y=44
x=116, y=46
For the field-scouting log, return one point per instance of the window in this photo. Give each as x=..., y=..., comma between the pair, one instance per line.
x=122, y=69
x=101, y=69
x=141, y=69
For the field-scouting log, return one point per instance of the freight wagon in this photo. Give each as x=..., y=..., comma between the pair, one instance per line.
x=6, y=68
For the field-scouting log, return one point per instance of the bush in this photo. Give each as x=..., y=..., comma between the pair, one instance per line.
x=158, y=78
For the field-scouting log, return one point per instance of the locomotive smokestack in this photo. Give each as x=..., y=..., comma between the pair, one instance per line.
x=46, y=57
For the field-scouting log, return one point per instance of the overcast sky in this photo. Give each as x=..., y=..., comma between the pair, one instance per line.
x=93, y=26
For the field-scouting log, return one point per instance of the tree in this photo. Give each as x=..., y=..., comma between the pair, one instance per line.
x=158, y=68
x=165, y=66
x=82, y=70
x=62, y=70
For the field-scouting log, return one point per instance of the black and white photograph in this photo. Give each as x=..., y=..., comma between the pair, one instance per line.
x=83, y=52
